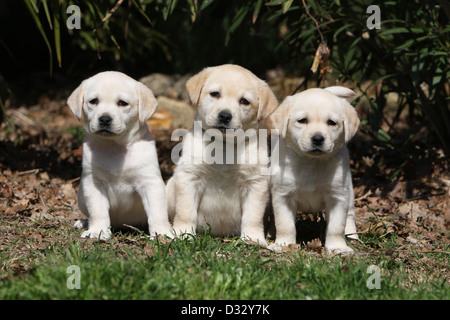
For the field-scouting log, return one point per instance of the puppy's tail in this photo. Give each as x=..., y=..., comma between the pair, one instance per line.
x=341, y=92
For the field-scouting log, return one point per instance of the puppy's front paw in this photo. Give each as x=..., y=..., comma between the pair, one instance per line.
x=190, y=236
x=275, y=247
x=162, y=232
x=169, y=234
x=255, y=239
x=285, y=241
x=281, y=242
x=183, y=231
x=339, y=249
x=101, y=234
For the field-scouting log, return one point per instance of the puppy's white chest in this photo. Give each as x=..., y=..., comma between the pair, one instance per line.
x=220, y=203
x=108, y=165
x=117, y=161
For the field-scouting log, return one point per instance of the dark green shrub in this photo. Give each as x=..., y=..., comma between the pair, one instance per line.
x=408, y=55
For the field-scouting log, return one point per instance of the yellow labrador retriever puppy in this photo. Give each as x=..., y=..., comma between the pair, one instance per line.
x=121, y=182
x=313, y=172
x=223, y=189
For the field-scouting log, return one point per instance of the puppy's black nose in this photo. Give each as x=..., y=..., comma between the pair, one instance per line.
x=225, y=116
x=105, y=120
x=317, y=140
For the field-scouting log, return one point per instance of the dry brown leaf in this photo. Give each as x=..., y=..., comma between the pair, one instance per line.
x=314, y=244
x=292, y=247
x=317, y=58
x=161, y=119
x=321, y=59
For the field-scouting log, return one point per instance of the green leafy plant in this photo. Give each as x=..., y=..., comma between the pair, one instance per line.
x=408, y=55
x=108, y=29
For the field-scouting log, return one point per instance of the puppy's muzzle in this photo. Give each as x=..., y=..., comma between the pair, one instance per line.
x=223, y=119
x=317, y=140
x=104, y=122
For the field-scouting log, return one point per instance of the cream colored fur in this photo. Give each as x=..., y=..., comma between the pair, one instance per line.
x=313, y=172
x=230, y=199
x=121, y=181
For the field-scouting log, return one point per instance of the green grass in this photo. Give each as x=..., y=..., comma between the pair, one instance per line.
x=134, y=267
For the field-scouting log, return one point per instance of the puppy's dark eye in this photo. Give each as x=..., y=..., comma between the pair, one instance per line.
x=331, y=123
x=303, y=120
x=244, y=102
x=215, y=94
x=122, y=103
x=94, y=101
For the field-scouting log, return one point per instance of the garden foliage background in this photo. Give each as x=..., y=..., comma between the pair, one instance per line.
x=408, y=55
x=400, y=73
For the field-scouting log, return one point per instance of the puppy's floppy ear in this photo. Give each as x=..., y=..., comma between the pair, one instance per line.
x=351, y=121
x=195, y=84
x=280, y=117
x=267, y=101
x=147, y=102
x=75, y=101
